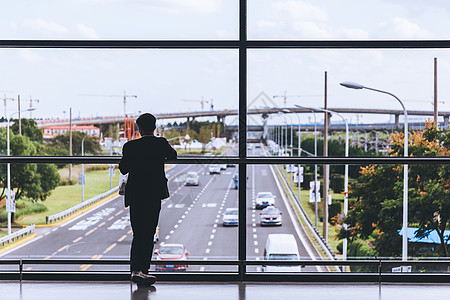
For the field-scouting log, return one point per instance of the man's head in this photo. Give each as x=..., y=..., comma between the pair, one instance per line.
x=146, y=123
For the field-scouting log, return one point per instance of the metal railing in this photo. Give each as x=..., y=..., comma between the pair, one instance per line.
x=80, y=206
x=15, y=235
x=377, y=271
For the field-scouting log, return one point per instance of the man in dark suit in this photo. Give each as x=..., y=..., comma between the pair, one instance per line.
x=143, y=159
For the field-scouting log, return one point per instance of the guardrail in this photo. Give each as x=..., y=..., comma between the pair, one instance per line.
x=80, y=206
x=15, y=235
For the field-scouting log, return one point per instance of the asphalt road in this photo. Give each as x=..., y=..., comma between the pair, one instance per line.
x=191, y=216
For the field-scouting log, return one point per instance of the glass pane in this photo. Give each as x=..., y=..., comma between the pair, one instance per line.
x=107, y=20
x=199, y=219
x=190, y=92
x=325, y=20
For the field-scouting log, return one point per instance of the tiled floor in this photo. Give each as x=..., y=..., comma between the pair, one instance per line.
x=12, y=290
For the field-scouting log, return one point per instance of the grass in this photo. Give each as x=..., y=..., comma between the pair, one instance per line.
x=67, y=196
x=310, y=212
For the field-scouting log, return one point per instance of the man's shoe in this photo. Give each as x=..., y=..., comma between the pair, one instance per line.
x=142, y=279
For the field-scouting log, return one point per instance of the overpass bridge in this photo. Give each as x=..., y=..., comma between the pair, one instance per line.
x=264, y=112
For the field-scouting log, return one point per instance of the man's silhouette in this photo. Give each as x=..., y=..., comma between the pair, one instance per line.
x=143, y=159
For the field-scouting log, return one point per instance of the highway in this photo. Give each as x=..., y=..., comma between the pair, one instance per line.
x=191, y=216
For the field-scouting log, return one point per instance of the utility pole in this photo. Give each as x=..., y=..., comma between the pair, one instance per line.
x=125, y=96
x=70, y=141
x=325, y=167
x=4, y=103
x=18, y=109
x=435, y=93
x=31, y=106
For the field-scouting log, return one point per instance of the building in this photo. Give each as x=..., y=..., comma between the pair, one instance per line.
x=52, y=131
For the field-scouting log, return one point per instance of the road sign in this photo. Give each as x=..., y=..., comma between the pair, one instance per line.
x=112, y=170
x=11, y=202
x=82, y=179
x=314, y=189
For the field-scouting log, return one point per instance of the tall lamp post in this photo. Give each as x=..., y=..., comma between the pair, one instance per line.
x=344, y=246
x=298, y=151
x=316, y=210
x=8, y=166
x=83, y=179
x=358, y=86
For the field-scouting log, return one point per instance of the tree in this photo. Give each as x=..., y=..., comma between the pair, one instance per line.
x=379, y=194
x=62, y=142
x=29, y=128
x=204, y=136
x=27, y=180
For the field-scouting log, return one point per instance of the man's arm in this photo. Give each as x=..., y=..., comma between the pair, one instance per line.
x=125, y=163
x=171, y=153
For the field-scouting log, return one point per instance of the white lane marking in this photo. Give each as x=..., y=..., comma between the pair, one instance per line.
x=179, y=221
x=255, y=236
x=167, y=237
x=54, y=229
x=215, y=225
x=172, y=231
x=169, y=206
x=254, y=224
x=183, y=216
x=217, y=221
x=213, y=231
x=208, y=250
x=202, y=269
x=211, y=236
x=209, y=243
x=291, y=215
x=254, y=229
x=255, y=243
x=256, y=250
x=181, y=205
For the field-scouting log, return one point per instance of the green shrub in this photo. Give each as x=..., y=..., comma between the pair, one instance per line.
x=337, y=183
x=23, y=207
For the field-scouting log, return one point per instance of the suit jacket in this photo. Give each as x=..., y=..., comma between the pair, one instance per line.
x=144, y=160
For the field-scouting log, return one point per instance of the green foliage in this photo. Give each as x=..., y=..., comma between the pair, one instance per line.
x=60, y=144
x=379, y=194
x=29, y=128
x=337, y=183
x=23, y=207
x=27, y=180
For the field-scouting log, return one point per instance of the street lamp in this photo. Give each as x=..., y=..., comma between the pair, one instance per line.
x=316, y=210
x=8, y=166
x=344, y=246
x=357, y=86
x=298, y=151
x=82, y=169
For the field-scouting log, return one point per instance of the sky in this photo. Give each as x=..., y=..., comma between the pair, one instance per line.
x=93, y=82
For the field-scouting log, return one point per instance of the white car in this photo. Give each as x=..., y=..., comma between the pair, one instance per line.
x=271, y=216
x=214, y=169
x=192, y=178
x=230, y=217
x=264, y=199
x=223, y=166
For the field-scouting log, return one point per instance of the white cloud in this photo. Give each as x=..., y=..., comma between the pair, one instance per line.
x=183, y=6
x=354, y=33
x=45, y=28
x=225, y=34
x=311, y=30
x=87, y=32
x=298, y=10
x=402, y=29
x=30, y=56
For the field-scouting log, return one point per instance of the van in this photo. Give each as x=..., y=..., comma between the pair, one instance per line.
x=281, y=247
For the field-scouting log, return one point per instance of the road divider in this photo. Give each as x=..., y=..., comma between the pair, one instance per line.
x=17, y=234
x=79, y=207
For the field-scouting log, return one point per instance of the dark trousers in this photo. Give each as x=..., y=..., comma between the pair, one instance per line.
x=144, y=217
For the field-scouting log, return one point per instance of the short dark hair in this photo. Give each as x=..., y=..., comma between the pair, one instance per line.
x=146, y=122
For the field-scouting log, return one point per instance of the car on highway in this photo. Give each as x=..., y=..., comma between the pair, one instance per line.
x=214, y=169
x=171, y=252
x=264, y=199
x=230, y=166
x=223, y=166
x=191, y=178
x=258, y=146
x=270, y=216
x=281, y=246
x=230, y=217
x=249, y=147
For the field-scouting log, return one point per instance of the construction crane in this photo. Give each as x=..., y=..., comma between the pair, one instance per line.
x=124, y=96
x=202, y=102
x=31, y=105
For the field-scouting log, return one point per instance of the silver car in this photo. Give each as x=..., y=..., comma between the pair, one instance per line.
x=192, y=178
x=214, y=169
x=271, y=216
x=264, y=199
x=230, y=217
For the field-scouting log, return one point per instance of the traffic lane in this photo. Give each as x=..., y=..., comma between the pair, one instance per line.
x=198, y=226
x=266, y=182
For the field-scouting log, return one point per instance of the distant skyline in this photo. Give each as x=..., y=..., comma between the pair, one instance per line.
x=163, y=78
